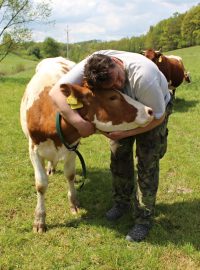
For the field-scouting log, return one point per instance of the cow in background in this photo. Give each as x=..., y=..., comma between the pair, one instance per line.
x=109, y=110
x=171, y=66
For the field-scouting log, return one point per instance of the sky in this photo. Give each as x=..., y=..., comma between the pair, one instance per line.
x=106, y=20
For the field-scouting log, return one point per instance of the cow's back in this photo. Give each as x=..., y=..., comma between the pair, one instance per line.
x=58, y=63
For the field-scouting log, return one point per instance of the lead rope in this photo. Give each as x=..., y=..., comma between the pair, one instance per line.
x=70, y=148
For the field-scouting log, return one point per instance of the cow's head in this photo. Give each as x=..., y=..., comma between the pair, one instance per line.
x=152, y=55
x=109, y=110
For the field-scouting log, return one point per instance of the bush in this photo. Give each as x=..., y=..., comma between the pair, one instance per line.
x=19, y=67
x=34, y=50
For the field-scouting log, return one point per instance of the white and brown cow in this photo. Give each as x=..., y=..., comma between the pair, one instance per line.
x=171, y=66
x=108, y=110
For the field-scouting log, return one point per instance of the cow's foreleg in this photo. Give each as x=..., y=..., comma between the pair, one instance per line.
x=41, y=183
x=69, y=171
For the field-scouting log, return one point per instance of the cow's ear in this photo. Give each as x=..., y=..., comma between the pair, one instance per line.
x=158, y=53
x=66, y=89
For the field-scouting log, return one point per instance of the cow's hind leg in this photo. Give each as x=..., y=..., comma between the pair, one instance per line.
x=69, y=171
x=41, y=183
x=51, y=167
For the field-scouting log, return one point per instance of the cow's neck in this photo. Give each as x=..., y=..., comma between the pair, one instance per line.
x=70, y=134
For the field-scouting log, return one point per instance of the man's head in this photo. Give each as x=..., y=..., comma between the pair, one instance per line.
x=102, y=71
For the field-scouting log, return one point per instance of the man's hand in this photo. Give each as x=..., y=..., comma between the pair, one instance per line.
x=115, y=135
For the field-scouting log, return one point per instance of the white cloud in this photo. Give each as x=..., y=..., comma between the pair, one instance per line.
x=107, y=19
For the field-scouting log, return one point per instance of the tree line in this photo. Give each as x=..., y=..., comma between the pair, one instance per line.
x=178, y=31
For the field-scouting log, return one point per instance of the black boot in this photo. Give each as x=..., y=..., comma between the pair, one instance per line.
x=117, y=211
x=138, y=233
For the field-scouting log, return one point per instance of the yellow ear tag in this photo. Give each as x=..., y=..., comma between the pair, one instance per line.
x=160, y=59
x=74, y=103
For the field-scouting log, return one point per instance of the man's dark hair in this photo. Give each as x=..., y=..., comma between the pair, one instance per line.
x=96, y=70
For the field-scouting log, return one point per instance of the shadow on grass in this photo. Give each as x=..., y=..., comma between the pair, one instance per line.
x=176, y=223
x=182, y=105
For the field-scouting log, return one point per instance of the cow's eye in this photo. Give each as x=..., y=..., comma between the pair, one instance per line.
x=114, y=97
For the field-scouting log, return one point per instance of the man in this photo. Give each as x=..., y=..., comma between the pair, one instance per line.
x=140, y=78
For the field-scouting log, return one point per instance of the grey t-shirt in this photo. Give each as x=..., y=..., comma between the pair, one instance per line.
x=145, y=82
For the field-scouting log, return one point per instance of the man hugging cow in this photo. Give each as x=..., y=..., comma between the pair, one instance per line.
x=137, y=94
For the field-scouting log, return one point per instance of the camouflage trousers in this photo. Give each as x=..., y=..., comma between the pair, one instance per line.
x=150, y=148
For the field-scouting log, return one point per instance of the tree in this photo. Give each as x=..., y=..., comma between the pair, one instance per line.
x=15, y=17
x=34, y=50
x=8, y=44
x=50, y=47
x=191, y=27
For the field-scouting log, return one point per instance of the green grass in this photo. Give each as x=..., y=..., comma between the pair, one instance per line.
x=14, y=65
x=88, y=241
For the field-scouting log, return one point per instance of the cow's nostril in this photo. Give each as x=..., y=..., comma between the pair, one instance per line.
x=150, y=111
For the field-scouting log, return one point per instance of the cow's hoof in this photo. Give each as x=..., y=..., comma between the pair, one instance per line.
x=74, y=210
x=50, y=171
x=39, y=228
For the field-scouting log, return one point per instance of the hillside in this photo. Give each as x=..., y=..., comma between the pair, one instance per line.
x=16, y=65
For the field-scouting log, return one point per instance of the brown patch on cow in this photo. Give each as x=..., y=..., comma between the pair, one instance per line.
x=64, y=68
x=41, y=121
x=82, y=93
x=111, y=101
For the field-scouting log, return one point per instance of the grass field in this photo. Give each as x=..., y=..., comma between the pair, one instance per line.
x=88, y=241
